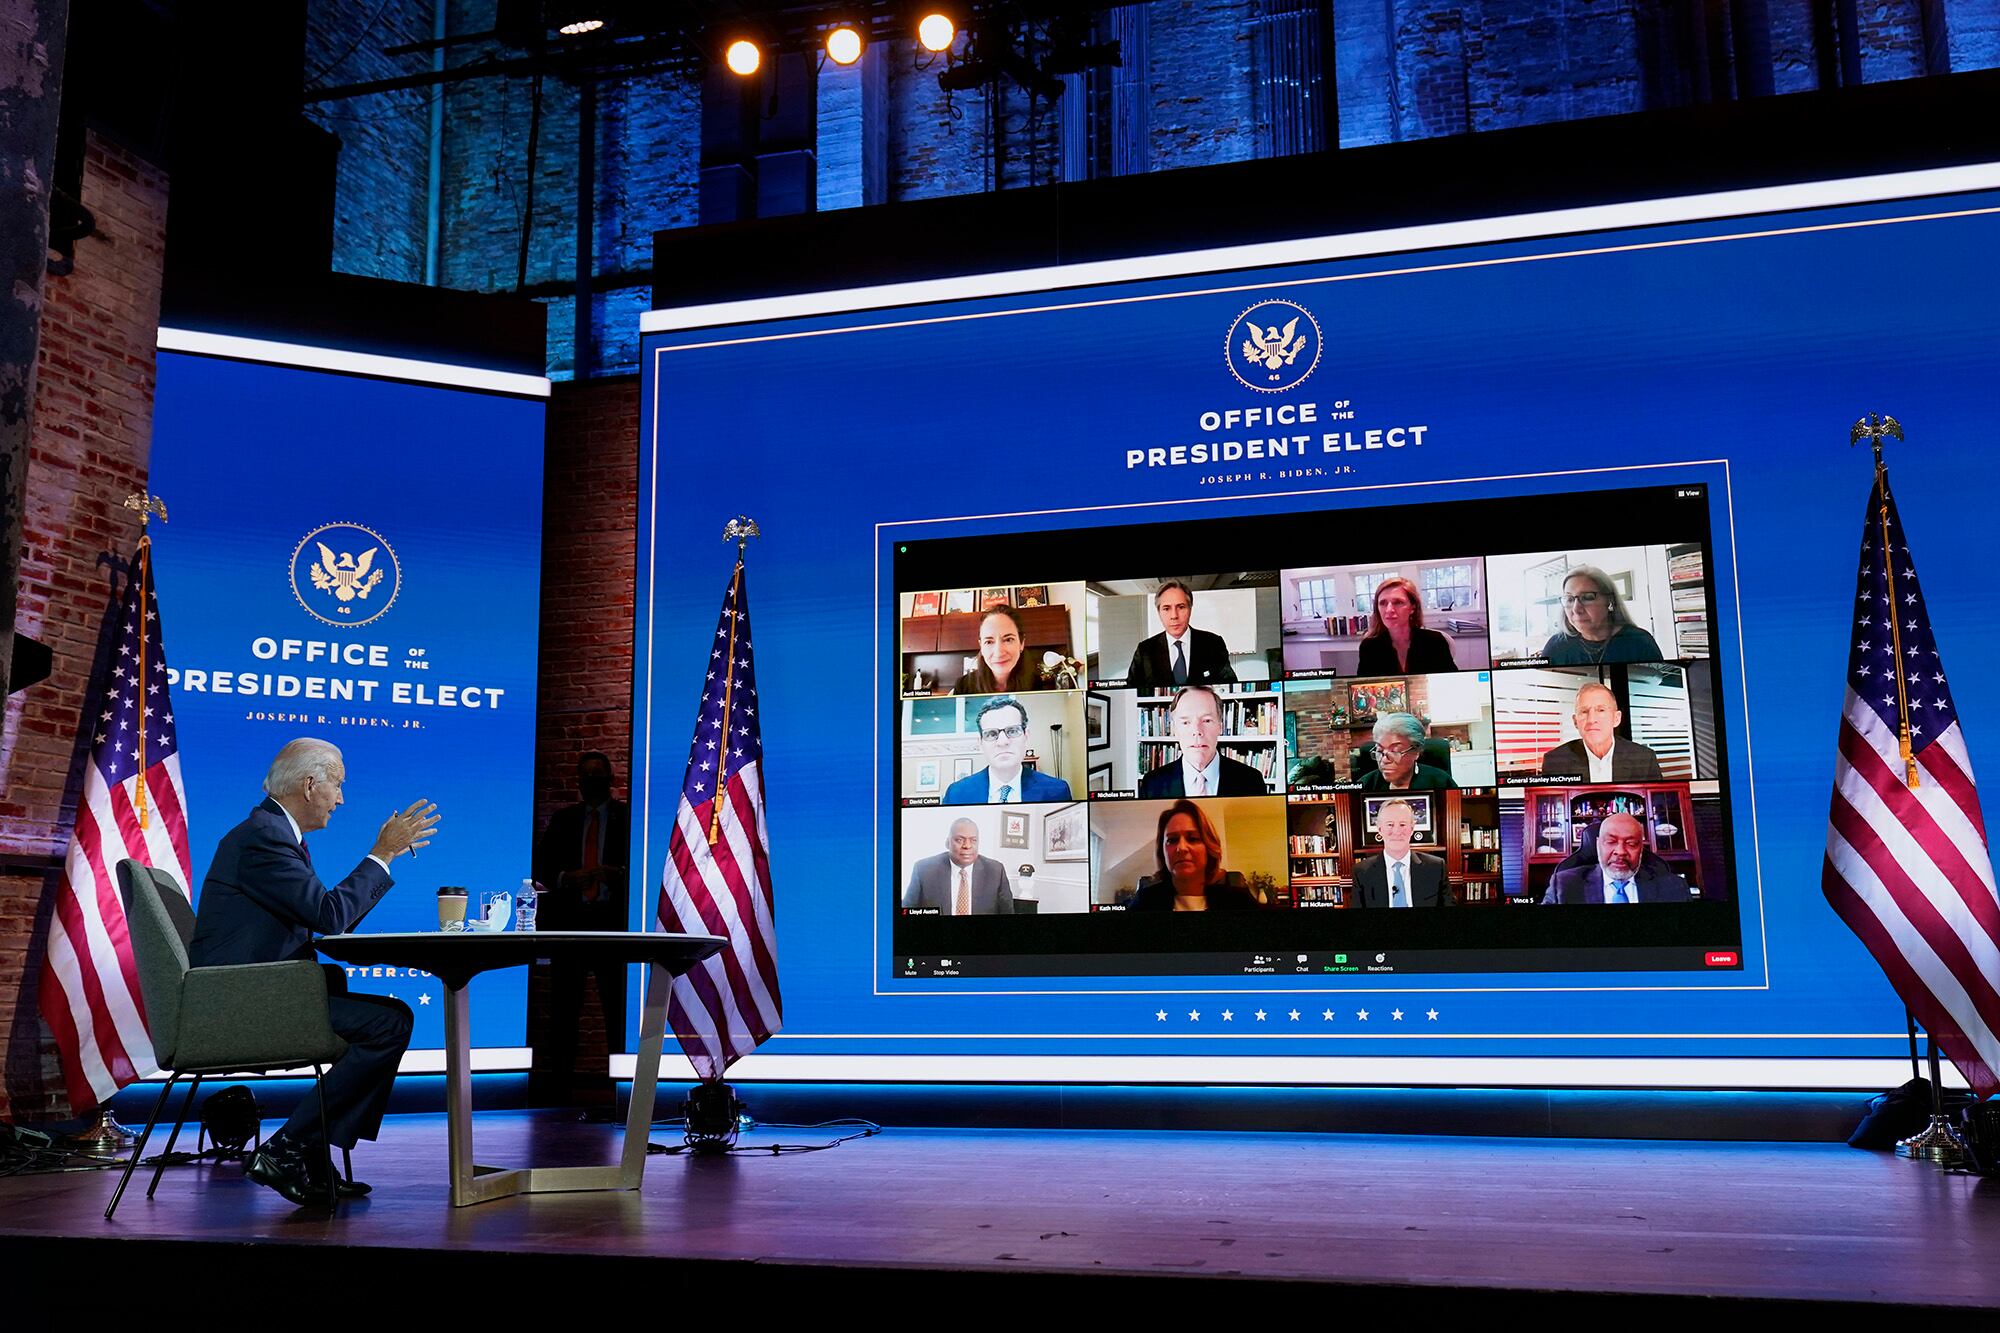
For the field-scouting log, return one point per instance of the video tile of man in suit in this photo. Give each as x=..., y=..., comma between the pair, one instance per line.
x=959, y=881
x=1202, y=769
x=1400, y=877
x=1598, y=754
x=1623, y=873
x=1178, y=655
x=1003, y=740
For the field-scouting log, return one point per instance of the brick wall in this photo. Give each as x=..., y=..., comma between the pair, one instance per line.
x=92, y=434
x=381, y=203
x=589, y=533
x=935, y=148
x=1202, y=82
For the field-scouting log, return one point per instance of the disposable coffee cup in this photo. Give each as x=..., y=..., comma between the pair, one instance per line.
x=451, y=909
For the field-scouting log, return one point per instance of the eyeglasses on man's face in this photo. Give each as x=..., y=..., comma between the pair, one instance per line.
x=1003, y=733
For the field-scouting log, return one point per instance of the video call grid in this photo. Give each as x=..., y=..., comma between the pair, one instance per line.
x=1266, y=719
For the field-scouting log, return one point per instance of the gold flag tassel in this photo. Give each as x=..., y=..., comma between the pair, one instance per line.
x=142, y=570
x=728, y=688
x=1873, y=428
x=739, y=530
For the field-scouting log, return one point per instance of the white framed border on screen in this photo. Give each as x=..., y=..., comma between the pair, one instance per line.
x=777, y=1064
x=1734, y=1073
x=313, y=356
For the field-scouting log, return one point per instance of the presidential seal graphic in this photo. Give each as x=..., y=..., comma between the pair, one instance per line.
x=345, y=574
x=1272, y=346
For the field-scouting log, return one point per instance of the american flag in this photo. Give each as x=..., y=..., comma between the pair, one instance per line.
x=133, y=805
x=1906, y=861
x=717, y=879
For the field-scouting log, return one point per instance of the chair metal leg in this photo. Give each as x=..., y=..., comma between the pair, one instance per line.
x=139, y=1148
x=325, y=1134
x=160, y=1163
x=347, y=1165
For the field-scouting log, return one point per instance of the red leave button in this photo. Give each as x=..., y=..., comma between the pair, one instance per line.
x=1721, y=958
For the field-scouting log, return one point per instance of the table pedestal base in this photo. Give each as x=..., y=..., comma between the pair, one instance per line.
x=472, y=1184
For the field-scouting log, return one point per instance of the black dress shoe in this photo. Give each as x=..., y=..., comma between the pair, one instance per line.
x=281, y=1166
x=342, y=1186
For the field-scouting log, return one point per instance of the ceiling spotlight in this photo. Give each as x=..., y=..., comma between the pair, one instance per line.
x=936, y=32
x=580, y=27
x=743, y=56
x=843, y=45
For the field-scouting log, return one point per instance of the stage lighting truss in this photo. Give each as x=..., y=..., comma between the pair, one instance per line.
x=1033, y=55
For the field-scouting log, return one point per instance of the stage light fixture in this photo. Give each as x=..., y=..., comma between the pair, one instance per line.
x=743, y=56
x=936, y=31
x=580, y=27
x=843, y=45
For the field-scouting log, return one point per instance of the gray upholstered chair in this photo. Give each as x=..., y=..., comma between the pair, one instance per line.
x=216, y=1020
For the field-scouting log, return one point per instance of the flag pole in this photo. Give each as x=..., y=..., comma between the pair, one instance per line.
x=1873, y=428
x=739, y=530
x=1937, y=1142
x=142, y=570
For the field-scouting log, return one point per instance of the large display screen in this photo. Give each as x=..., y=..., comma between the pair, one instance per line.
x=1421, y=717
x=353, y=552
x=1408, y=656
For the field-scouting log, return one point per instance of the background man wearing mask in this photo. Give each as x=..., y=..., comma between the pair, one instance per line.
x=580, y=862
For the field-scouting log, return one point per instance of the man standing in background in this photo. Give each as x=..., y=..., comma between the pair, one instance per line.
x=580, y=862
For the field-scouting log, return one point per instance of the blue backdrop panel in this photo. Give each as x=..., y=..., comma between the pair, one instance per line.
x=1732, y=352
x=261, y=463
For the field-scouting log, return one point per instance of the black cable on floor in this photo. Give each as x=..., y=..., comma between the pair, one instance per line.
x=868, y=1129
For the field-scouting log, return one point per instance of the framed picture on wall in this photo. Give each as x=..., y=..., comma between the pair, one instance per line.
x=995, y=599
x=1034, y=594
x=958, y=600
x=1388, y=696
x=1013, y=828
x=1419, y=803
x=961, y=767
x=927, y=775
x=1097, y=721
x=925, y=603
x=1100, y=778
x=1066, y=833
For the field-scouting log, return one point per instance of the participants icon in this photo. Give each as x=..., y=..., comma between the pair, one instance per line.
x=345, y=574
x=1272, y=346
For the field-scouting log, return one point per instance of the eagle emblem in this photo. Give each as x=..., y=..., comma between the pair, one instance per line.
x=1273, y=348
x=345, y=576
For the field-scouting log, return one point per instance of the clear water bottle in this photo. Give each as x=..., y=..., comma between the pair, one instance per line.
x=524, y=906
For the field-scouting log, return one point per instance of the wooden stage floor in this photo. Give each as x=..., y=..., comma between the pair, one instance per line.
x=1398, y=1222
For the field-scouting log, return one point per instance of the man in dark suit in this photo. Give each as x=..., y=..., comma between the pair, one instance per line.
x=1599, y=754
x=580, y=862
x=1178, y=655
x=1400, y=877
x=1003, y=740
x=959, y=881
x=262, y=903
x=1202, y=769
x=1624, y=873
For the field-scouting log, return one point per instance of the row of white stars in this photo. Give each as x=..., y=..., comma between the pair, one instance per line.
x=1326, y=1016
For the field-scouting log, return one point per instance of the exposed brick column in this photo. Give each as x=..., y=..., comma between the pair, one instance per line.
x=589, y=535
x=93, y=423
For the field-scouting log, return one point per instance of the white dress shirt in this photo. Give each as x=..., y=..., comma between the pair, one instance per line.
x=1211, y=776
x=298, y=836
x=1600, y=769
